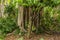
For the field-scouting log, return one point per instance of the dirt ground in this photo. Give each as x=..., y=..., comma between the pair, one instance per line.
x=35, y=37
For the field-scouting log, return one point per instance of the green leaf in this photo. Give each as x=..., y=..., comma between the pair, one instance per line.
x=21, y=38
x=41, y=39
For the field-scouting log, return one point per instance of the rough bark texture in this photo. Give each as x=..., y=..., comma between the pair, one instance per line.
x=30, y=23
x=20, y=18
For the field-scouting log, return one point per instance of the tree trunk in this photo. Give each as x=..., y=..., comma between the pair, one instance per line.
x=2, y=8
x=30, y=23
x=20, y=19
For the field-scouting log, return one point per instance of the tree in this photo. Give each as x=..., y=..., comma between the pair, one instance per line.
x=2, y=8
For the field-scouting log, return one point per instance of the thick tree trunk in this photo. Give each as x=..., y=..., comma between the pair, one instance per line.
x=20, y=19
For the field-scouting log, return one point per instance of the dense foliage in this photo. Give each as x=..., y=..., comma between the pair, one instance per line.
x=50, y=19
x=50, y=16
x=7, y=25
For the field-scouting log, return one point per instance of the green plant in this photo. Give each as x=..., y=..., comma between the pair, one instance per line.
x=21, y=38
x=11, y=9
x=49, y=20
x=7, y=25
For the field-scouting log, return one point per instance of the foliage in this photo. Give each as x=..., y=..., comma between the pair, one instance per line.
x=0, y=1
x=21, y=38
x=11, y=9
x=50, y=18
x=7, y=25
x=41, y=39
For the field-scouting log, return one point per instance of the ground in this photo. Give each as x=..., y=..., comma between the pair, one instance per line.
x=34, y=37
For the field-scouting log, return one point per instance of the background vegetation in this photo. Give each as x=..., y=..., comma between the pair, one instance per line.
x=49, y=16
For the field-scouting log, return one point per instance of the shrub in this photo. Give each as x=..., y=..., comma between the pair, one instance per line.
x=7, y=25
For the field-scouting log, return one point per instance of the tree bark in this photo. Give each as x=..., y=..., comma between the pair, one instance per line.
x=2, y=8
x=30, y=23
x=20, y=19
